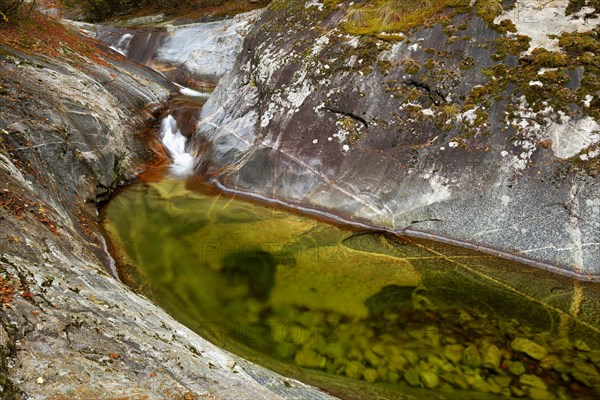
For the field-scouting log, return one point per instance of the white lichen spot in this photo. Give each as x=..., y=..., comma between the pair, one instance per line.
x=544, y=21
x=588, y=100
x=315, y=3
x=414, y=47
x=345, y=147
x=315, y=141
x=453, y=145
x=571, y=137
x=504, y=153
x=536, y=83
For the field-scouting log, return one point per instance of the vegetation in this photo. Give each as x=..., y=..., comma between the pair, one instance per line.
x=99, y=10
x=396, y=16
x=392, y=16
x=9, y=8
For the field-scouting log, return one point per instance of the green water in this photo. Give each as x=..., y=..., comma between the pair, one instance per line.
x=361, y=314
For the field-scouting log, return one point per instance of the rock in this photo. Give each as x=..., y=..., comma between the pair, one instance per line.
x=310, y=359
x=354, y=369
x=397, y=362
x=454, y=352
x=412, y=377
x=539, y=394
x=471, y=357
x=207, y=50
x=503, y=381
x=548, y=362
x=371, y=358
x=285, y=350
x=491, y=356
x=533, y=381
x=530, y=348
x=390, y=128
x=516, y=368
x=74, y=135
x=393, y=376
x=429, y=379
x=581, y=345
x=586, y=373
x=370, y=375
x=411, y=356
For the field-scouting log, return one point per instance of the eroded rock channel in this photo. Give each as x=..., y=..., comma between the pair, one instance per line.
x=458, y=122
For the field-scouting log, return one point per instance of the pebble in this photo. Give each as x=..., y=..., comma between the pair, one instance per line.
x=453, y=352
x=491, y=356
x=529, y=347
x=516, y=368
x=533, y=381
x=429, y=379
x=471, y=357
x=581, y=345
x=412, y=377
x=370, y=375
x=539, y=394
x=354, y=369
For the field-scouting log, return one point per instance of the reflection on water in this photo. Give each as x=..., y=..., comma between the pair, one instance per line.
x=364, y=315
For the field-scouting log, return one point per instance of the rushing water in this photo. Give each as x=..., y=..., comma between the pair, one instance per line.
x=361, y=314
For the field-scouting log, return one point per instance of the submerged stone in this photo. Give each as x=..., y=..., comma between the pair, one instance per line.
x=530, y=348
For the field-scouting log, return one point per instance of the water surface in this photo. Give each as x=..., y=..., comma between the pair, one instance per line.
x=361, y=314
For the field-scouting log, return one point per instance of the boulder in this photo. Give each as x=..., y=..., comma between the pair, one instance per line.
x=454, y=131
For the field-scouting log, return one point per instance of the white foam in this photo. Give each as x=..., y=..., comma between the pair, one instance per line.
x=122, y=45
x=174, y=142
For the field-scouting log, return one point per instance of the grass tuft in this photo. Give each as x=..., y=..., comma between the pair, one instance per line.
x=394, y=16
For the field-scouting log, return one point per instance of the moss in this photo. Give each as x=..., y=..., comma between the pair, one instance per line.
x=384, y=66
x=467, y=63
x=430, y=63
x=505, y=26
x=577, y=44
x=411, y=67
x=548, y=59
x=488, y=9
x=511, y=46
x=590, y=86
x=395, y=16
x=576, y=5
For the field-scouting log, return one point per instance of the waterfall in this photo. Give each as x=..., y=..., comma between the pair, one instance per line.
x=174, y=142
x=122, y=45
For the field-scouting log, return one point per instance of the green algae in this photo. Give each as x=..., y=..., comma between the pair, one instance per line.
x=366, y=314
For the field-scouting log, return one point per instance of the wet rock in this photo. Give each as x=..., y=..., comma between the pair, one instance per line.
x=471, y=357
x=491, y=356
x=429, y=379
x=530, y=348
x=412, y=377
x=586, y=373
x=533, y=381
x=354, y=369
x=370, y=375
x=207, y=50
x=581, y=345
x=516, y=368
x=539, y=394
x=454, y=352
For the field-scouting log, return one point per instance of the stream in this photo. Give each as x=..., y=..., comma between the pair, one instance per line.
x=359, y=313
